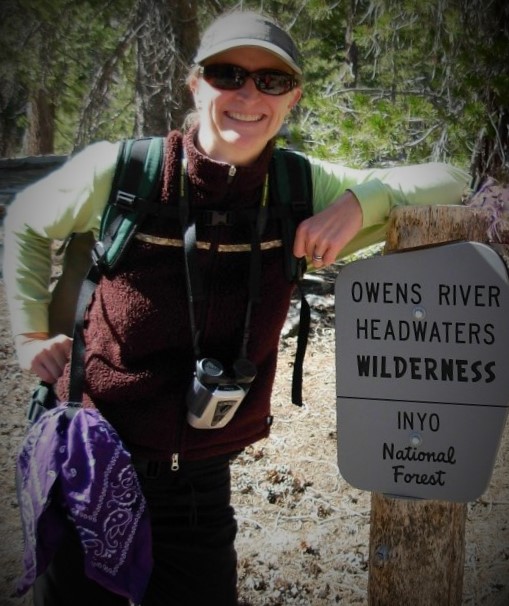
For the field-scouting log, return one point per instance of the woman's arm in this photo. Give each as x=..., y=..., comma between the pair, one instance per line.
x=71, y=199
x=352, y=206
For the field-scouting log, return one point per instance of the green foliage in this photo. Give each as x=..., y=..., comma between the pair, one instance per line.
x=58, y=46
x=385, y=80
x=424, y=82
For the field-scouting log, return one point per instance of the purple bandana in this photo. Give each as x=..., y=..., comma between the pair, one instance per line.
x=97, y=489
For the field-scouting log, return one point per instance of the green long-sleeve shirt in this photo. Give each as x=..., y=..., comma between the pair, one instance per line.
x=72, y=199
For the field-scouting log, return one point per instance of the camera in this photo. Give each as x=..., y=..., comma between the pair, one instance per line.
x=214, y=396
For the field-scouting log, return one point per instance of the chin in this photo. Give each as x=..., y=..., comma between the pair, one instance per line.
x=245, y=141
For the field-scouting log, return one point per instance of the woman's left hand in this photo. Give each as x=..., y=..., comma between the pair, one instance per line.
x=322, y=236
x=44, y=356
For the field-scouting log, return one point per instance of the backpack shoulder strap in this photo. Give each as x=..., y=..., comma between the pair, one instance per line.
x=290, y=178
x=136, y=184
x=293, y=186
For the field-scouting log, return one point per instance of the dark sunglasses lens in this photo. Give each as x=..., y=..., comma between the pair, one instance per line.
x=273, y=82
x=232, y=77
x=225, y=77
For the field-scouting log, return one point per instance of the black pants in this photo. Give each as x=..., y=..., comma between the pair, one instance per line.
x=193, y=533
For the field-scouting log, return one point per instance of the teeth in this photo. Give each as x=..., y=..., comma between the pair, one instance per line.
x=245, y=117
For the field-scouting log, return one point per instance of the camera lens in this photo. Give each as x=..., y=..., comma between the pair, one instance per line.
x=245, y=370
x=209, y=370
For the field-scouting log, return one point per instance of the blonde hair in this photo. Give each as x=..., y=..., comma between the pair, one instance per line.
x=192, y=118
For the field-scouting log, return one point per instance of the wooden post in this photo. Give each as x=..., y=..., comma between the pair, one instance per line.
x=417, y=548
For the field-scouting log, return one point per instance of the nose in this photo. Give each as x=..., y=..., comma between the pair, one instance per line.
x=249, y=89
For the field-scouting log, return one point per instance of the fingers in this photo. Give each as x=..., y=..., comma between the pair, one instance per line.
x=321, y=237
x=45, y=357
x=321, y=259
x=49, y=362
x=317, y=259
x=311, y=242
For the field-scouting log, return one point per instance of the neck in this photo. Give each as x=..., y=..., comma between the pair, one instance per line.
x=226, y=154
x=213, y=180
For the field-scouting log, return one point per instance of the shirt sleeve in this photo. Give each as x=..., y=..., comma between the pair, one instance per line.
x=379, y=190
x=70, y=199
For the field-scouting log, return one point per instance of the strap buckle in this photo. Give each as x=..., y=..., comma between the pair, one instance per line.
x=126, y=201
x=98, y=253
x=218, y=217
x=42, y=400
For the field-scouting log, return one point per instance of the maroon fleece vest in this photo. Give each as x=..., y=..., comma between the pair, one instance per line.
x=139, y=356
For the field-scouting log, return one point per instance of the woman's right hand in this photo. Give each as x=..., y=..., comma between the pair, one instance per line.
x=44, y=356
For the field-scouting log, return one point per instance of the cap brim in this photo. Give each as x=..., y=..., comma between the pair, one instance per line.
x=247, y=42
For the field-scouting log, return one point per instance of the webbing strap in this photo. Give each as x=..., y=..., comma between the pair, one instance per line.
x=77, y=375
x=255, y=276
x=194, y=283
x=131, y=199
x=129, y=175
x=302, y=342
x=291, y=174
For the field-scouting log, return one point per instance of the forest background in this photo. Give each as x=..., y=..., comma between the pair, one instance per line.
x=385, y=80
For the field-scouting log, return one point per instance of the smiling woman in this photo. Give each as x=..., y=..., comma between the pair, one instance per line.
x=243, y=97
x=181, y=341
x=247, y=83
x=236, y=125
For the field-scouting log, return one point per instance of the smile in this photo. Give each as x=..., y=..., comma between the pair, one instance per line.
x=245, y=117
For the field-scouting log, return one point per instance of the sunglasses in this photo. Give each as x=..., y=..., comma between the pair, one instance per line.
x=226, y=76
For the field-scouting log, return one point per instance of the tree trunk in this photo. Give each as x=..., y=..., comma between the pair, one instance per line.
x=166, y=42
x=40, y=133
x=417, y=547
x=12, y=106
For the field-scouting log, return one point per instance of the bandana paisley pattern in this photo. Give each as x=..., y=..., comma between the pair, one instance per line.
x=75, y=466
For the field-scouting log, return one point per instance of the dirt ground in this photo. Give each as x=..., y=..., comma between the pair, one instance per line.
x=303, y=531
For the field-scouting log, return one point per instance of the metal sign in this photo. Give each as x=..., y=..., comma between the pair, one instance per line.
x=422, y=342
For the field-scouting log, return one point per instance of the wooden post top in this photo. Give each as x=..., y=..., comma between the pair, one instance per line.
x=413, y=226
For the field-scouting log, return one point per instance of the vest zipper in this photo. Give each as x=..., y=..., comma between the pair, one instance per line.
x=231, y=173
x=179, y=437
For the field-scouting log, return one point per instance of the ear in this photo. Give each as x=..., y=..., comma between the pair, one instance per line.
x=192, y=82
x=194, y=88
x=296, y=95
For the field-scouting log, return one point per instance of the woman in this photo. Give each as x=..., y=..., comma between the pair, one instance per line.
x=145, y=335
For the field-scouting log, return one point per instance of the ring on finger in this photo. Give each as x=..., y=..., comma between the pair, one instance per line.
x=317, y=257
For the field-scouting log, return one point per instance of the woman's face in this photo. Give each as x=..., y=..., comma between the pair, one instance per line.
x=235, y=125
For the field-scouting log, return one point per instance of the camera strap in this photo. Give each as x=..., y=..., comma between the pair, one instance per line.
x=194, y=282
